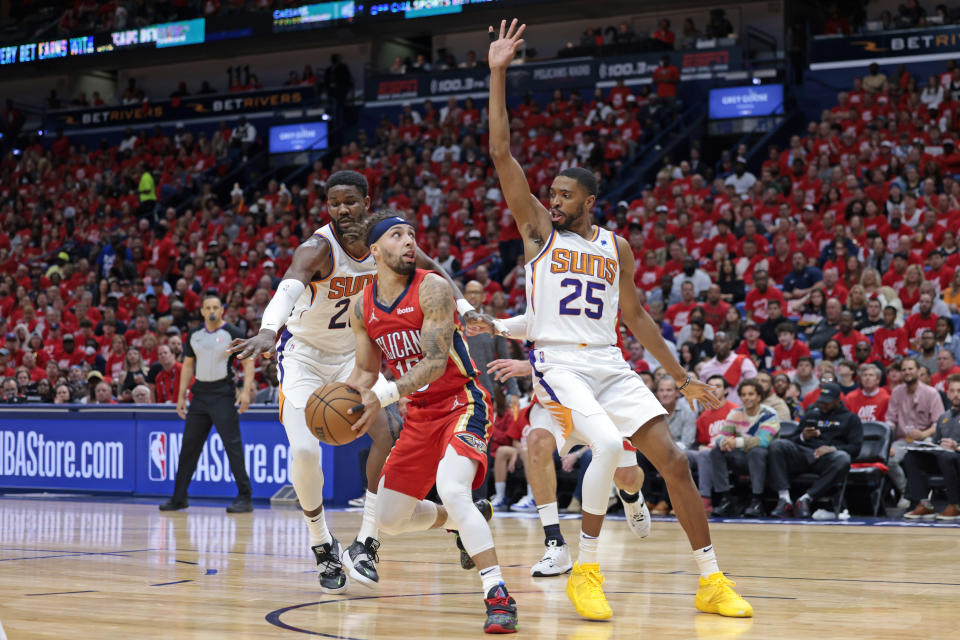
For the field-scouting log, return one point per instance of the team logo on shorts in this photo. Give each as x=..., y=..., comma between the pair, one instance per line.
x=473, y=441
x=158, y=456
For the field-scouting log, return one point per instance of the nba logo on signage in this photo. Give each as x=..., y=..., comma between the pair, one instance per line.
x=158, y=455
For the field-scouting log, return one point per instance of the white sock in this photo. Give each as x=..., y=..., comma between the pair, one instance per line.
x=368, y=528
x=529, y=492
x=805, y=497
x=490, y=577
x=784, y=494
x=318, y=529
x=706, y=561
x=589, y=549
x=549, y=514
x=501, y=488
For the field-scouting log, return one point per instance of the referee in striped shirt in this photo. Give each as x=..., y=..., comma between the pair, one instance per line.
x=216, y=402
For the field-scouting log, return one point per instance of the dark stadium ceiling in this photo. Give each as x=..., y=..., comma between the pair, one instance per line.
x=529, y=11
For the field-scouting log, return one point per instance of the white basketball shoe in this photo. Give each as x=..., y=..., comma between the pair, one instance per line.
x=555, y=561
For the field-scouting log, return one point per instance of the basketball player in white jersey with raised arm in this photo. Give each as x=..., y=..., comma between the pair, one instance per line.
x=328, y=272
x=578, y=275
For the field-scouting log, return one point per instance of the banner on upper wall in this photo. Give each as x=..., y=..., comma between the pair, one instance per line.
x=565, y=74
x=884, y=47
x=186, y=108
x=693, y=65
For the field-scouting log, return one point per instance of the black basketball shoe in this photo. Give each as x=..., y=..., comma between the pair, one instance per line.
x=361, y=559
x=332, y=577
x=501, y=611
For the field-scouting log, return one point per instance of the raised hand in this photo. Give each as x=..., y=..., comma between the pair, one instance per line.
x=503, y=49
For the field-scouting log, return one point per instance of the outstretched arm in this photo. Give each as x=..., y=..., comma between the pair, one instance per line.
x=648, y=333
x=466, y=310
x=533, y=220
x=310, y=258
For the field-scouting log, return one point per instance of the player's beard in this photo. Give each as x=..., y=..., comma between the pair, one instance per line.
x=400, y=266
x=350, y=233
x=569, y=219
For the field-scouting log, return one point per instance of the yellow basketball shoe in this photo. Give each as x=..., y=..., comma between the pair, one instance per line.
x=715, y=595
x=585, y=590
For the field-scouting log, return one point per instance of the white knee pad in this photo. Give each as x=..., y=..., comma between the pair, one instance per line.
x=454, y=481
x=399, y=513
x=606, y=446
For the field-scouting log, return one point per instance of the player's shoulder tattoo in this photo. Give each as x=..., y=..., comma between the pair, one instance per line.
x=436, y=298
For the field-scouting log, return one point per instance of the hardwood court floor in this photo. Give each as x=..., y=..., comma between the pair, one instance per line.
x=71, y=569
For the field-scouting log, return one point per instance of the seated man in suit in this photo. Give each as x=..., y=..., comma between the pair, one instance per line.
x=919, y=465
x=829, y=438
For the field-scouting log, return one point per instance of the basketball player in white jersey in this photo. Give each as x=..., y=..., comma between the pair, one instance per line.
x=547, y=435
x=578, y=275
x=328, y=272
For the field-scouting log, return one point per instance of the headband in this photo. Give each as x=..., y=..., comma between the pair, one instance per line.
x=381, y=228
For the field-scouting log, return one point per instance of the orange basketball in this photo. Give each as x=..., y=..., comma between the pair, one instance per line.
x=327, y=416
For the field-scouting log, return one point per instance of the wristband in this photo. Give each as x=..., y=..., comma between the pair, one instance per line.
x=386, y=392
x=463, y=306
x=739, y=442
x=684, y=385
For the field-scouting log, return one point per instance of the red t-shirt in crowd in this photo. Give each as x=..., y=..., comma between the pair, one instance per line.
x=871, y=408
x=711, y=421
x=757, y=303
x=916, y=324
x=784, y=359
x=848, y=343
x=890, y=344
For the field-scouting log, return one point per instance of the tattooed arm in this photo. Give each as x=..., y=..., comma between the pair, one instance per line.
x=436, y=335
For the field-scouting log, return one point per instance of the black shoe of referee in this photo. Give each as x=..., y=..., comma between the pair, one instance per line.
x=241, y=505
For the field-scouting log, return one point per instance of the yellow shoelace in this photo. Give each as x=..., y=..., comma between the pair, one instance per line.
x=595, y=581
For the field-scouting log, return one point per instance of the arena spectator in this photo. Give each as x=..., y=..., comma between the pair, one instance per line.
x=743, y=446
x=926, y=354
x=789, y=350
x=870, y=401
x=912, y=413
x=828, y=326
x=164, y=375
x=945, y=461
x=830, y=437
x=683, y=427
x=802, y=279
x=733, y=367
x=760, y=295
x=946, y=367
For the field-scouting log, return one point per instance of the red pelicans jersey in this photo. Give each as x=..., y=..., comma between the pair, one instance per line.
x=396, y=330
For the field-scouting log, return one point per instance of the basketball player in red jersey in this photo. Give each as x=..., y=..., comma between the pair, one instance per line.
x=407, y=315
x=314, y=348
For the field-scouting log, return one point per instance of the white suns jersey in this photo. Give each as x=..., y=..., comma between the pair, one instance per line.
x=321, y=316
x=573, y=290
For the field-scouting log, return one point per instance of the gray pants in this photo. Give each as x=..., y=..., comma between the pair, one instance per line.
x=895, y=465
x=754, y=462
x=700, y=463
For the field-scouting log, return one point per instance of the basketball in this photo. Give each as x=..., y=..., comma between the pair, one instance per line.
x=327, y=416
